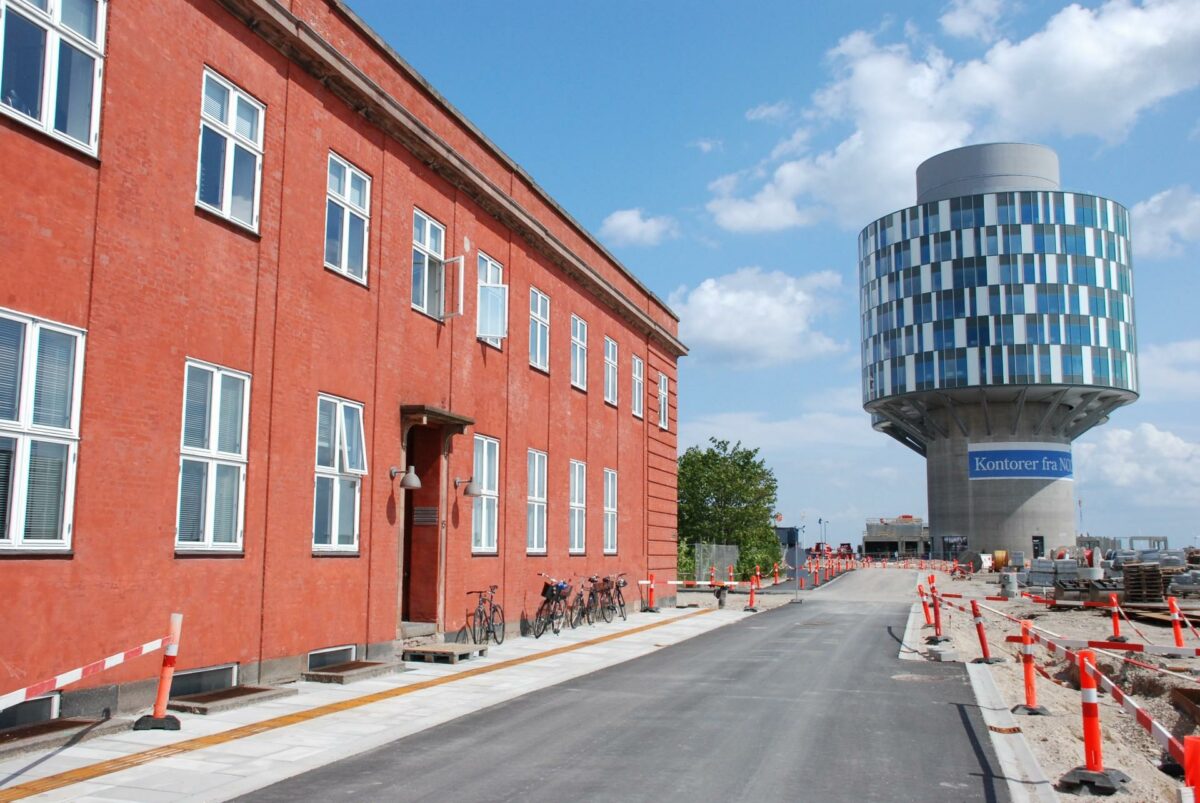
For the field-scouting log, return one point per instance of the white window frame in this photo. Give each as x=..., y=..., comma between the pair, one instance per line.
x=24, y=432
x=486, y=475
x=539, y=329
x=610, y=370
x=213, y=457
x=638, y=390
x=578, y=352
x=57, y=33
x=344, y=200
x=610, y=511
x=577, y=508
x=233, y=139
x=434, y=271
x=491, y=287
x=664, y=412
x=341, y=471
x=535, y=503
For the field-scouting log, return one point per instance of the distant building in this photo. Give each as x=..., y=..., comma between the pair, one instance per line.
x=903, y=535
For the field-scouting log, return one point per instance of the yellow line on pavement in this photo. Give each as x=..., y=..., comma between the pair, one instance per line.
x=110, y=766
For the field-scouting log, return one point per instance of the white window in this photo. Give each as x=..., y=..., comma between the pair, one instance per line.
x=51, y=63
x=610, y=370
x=539, y=329
x=41, y=368
x=610, y=511
x=578, y=508
x=341, y=465
x=429, y=266
x=639, y=386
x=492, y=307
x=347, y=217
x=212, y=458
x=663, y=410
x=535, y=504
x=578, y=352
x=231, y=136
x=485, y=508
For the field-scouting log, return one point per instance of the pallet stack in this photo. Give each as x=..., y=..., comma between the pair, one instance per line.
x=1143, y=582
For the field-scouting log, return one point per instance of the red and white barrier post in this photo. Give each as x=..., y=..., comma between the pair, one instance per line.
x=751, y=605
x=1092, y=774
x=1191, y=765
x=925, y=606
x=160, y=720
x=937, y=637
x=776, y=574
x=1116, y=619
x=650, y=606
x=1031, y=706
x=712, y=574
x=1173, y=604
x=983, y=644
x=731, y=572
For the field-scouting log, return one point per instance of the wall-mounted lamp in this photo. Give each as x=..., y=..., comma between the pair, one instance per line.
x=472, y=488
x=410, y=481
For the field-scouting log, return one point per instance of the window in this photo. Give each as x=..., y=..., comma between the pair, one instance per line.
x=535, y=505
x=492, y=307
x=610, y=370
x=577, y=529
x=610, y=511
x=578, y=352
x=41, y=368
x=429, y=267
x=638, y=395
x=212, y=458
x=347, y=214
x=663, y=411
x=51, y=61
x=341, y=465
x=539, y=329
x=231, y=137
x=486, y=507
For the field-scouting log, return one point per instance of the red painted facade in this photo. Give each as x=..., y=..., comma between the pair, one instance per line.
x=116, y=246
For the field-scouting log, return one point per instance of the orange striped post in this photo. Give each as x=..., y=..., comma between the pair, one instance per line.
x=160, y=720
x=650, y=606
x=1173, y=604
x=752, y=607
x=937, y=637
x=776, y=574
x=983, y=645
x=924, y=605
x=1092, y=774
x=801, y=583
x=731, y=572
x=1191, y=764
x=815, y=571
x=1031, y=706
x=712, y=574
x=1116, y=619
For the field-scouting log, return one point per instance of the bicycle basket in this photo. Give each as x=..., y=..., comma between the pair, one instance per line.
x=564, y=591
x=549, y=590
x=603, y=585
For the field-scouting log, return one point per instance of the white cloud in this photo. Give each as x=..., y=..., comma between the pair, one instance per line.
x=707, y=145
x=630, y=227
x=769, y=112
x=1164, y=224
x=752, y=318
x=1088, y=72
x=972, y=19
x=1170, y=372
x=1151, y=467
x=755, y=430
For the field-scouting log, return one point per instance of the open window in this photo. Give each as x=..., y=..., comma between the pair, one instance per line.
x=492, y=306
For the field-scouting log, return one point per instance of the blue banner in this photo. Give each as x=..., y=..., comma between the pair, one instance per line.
x=993, y=461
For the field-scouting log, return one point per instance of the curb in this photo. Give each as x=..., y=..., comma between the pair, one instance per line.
x=1020, y=768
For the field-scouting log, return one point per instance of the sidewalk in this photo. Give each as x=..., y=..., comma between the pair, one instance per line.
x=220, y=756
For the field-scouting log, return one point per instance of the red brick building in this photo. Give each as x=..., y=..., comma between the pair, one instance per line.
x=250, y=262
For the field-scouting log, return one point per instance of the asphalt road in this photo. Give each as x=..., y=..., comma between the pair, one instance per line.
x=806, y=702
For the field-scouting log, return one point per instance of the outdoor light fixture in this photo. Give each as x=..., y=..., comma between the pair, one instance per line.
x=410, y=481
x=472, y=488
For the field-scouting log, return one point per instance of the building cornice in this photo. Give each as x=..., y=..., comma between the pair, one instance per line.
x=296, y=40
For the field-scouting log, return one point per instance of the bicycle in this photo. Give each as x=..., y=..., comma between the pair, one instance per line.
x=577, y=609
x=489, y=618
x=552, y=611
x=605, y=606
x=618, y=597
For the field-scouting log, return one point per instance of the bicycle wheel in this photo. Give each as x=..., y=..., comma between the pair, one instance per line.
x=575, y=612
x=606, y=605
x=497, y=624
x=479, y=624
x=541, y=618
x=620, y=602
x=590, y=609
x=557, y=613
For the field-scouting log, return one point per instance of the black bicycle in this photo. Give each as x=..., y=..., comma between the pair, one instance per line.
x=618, y=598
x=489, y=618
x=553, y=610
x=579, y=609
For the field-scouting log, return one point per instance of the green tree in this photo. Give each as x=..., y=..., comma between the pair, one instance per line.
x=727, y=496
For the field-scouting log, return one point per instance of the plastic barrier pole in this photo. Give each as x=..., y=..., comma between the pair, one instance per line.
x=983, y=645
x=160, y=720
x=1191, y=765
x=1031, y=706
x=801, y=583
x=712, y=574
x=731, y=573
x=1116, y=619
x=776, y=574
x=937, y=637
x=751, y=606
x=816, y=576
x=650, y=606
x=924, y=605
x=1173, y=604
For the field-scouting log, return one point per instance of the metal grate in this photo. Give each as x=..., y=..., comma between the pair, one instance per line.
x=425, y=515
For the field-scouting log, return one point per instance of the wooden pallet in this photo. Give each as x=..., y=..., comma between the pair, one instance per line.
x=1144, y=582
x=445, y=653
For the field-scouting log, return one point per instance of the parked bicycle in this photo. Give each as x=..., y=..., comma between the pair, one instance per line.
x=553, y=610
x=489, y=618
x=618, y=598
x=578, y=609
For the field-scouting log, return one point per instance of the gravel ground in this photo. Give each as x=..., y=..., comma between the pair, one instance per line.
x=1057, y=740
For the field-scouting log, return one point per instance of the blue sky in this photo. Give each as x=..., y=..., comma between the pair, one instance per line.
x=728, y=153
